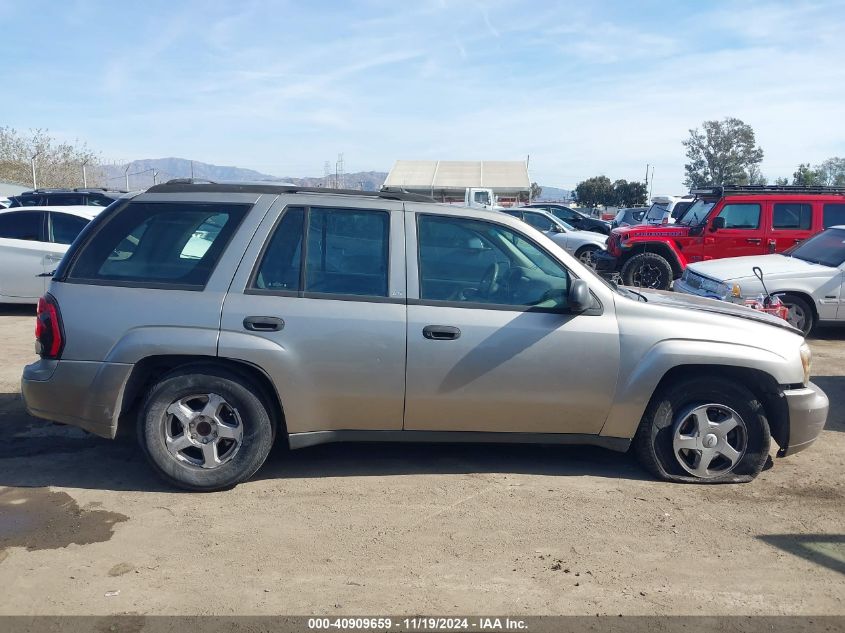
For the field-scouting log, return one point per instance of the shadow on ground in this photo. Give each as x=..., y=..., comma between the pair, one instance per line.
x=834, y=387
x=14, y=309
x=827, y=550
x=41, y=453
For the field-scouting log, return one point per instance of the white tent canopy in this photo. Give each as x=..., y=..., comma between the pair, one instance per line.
x=452, y=177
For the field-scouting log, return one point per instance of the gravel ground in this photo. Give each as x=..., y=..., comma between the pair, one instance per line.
x=85, y=528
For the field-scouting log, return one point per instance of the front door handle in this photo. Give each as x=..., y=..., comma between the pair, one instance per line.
x=441, y=332
x=753, y=240
x=263, y=324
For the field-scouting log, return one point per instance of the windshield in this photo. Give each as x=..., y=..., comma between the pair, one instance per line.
x=827, y=249
x=656, y=212
x=697, y=212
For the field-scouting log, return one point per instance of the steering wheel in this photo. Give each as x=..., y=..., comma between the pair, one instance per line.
x=489, y=282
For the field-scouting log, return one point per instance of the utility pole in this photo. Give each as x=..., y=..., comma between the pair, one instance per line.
x=192, y=170
x=126, y=174
x=84, y=175
x=339, y=171
x=327, y=174
x=32, y=163
x=651, y=186
x=155, y=176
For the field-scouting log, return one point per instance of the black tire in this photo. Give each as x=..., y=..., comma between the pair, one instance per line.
x=801, y=314
x=584, y=250
x=647, y=270
x=254, y=421
x=653, y=442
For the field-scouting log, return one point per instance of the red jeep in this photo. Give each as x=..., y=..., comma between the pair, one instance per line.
x=727, y=221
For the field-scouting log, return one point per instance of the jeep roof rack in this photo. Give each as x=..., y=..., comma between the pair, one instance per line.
x=722, y=190
x=183, y=185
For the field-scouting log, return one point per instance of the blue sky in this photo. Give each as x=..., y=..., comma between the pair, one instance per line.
x=583, y=87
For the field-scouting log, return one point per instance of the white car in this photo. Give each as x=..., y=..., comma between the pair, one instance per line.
x=808, y=278
x=33, y=241
x=582, y=244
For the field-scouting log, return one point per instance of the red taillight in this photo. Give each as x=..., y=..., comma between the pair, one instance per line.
x=665, y=221
x=49, y=338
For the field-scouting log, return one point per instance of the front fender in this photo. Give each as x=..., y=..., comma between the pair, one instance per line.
x=636, y=387
x=660, y=245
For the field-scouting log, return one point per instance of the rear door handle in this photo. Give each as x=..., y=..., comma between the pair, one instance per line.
x=263, y=324
x=441, y=332
x=753, y=240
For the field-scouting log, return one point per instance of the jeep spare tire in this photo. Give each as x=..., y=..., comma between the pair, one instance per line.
x=647, y=270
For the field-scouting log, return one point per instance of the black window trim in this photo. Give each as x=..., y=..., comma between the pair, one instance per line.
x=597, y=310
x=802, y=202
x=85, y=238
x=251, y=289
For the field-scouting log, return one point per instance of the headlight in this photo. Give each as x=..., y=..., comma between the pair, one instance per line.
x=806, y=362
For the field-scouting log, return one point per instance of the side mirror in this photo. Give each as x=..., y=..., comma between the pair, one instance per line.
x=580, y=298
x=718, y=223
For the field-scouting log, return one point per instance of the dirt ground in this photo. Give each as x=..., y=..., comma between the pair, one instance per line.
x=85, y=528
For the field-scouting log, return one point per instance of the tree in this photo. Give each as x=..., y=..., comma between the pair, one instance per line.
x=629, y=194
x=782, y=181
x=536, y=191
x=804, y=176
x=723, y=153
x=831, y=173
x=595, y=191
x=56, y=164
x=756, y=177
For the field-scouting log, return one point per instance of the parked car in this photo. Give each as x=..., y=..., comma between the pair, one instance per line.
x=729, y=221
x=630, y=216
x=66, y=197
x=32, y=242
x=808, y=278
x=572, y=217
x=582, y=244
x=316, y=316
x=667, y=209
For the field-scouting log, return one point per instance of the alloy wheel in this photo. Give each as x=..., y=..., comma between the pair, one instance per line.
x=709, y=440
x=202, y=430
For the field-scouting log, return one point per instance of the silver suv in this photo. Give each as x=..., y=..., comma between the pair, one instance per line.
x=213, y=318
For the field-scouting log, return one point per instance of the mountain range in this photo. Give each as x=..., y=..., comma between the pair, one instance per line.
x=140, y=175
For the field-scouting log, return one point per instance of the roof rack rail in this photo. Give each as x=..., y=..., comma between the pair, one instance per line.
x=720, y=190
x=182, y=185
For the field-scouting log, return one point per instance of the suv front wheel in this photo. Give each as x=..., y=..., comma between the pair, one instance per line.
x=203, y=429
x=647, y=270
x=706, y=430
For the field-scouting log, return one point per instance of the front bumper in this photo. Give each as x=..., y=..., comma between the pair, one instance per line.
x=80, y=393
x=605, y=262
x=808, y=408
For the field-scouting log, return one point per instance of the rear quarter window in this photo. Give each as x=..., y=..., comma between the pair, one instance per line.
x=158, y=245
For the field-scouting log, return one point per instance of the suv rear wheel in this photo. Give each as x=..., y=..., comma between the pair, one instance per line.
x=203, y=429
x=706, y=430
x=647, y=270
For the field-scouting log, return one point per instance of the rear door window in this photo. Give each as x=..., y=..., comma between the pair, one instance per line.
x=792, y=215
x=22, y=225
x=347, y=253
x=539, y=222
x=833, y=215
x=159, y=244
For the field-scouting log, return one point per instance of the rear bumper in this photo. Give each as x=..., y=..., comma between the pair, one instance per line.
x=808, y=408
x=79, y=393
